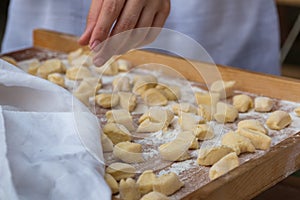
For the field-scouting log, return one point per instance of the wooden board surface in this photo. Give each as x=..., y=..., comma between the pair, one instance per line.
x=289, y=2
x=252, y=177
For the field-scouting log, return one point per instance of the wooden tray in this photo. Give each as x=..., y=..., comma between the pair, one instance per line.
x=252, y=177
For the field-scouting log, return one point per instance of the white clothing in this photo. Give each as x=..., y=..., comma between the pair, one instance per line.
x=238, y=33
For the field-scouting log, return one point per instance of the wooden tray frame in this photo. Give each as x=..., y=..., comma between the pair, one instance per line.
x=252, y=177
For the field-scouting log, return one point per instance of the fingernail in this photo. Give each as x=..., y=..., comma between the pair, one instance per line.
x=99, y=61
x=94, y=44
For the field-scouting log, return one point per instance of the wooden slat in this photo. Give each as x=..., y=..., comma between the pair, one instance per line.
x=54, y=41
x=272, y=86
x=252, y=177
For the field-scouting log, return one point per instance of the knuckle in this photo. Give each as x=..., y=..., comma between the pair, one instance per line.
x=166, y=7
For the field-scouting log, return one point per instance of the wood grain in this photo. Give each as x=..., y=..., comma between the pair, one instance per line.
x=252, y=177
x=288, y=2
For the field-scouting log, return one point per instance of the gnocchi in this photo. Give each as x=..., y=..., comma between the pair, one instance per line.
x=153, y=97
x=224, y=88
x=128, y=152
x=259, y=140
x=120, y=116
x=167, y=184
x=252, y=124
x=279, y=120
x=171, y=92
x=238, y=143
x=127, y=101
x=178, y=108
x=209, y=99
x=225, y=113
x=203, y=132
x=121, y=84
x=263, y=104
x=117, y=133
x=49, y=67
x=243, y=103
x=112, y=183
x=120, y=171
x=297, y=111
x=145, y=181
x=107, y=145
x=223, y=166
x=107, y=100
x=210, y=156
x=77, y=73
x=57, y=79
x=189, y=121
x=206, y=112
x=154, y=196
x=129, y=190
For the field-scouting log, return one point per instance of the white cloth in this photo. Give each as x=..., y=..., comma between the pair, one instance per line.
x=49, y=142
x=238, y=33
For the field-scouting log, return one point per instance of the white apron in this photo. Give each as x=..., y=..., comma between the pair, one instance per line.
x=239, y=33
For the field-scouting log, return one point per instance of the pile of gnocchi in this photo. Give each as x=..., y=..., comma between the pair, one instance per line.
x=121, y=96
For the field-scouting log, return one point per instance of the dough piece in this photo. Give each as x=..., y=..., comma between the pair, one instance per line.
x=57, y=79
x=189, y=121
x=205, y=111
x=74, y=54
x=178, y=108
x=210, y=156
x=120, y=116
x=172, y=92
x=107, y=100
x=204, y=132
x=153, y=97
x=154, y=120
x=94, y=82
x=224, y=165
x=297, y=111
x=142, y=83
x=121, y=83
x=110, y=68
x=176, y=150
x=224, y=88
x=225, y=113
x=145, y=181
x=87, y=88
x=147, y=126
x=128, y=152
x=155, y=196
x=209, y=99
x=279, y=120
x=10, y=60
x=157, y=115
x=33, y=67
x=82, y=61
x=107, y=145
x=127, y=101
x=83, y=97
x=258, y=139
x=78, y=73
x=123, y=65
x=117, y=133
x=242, y=103
x=194, y=145
x=238, y=143
x=263, y=104
x=252, y=124
x=167, y=184
x=49, y=67
x=129, y=190
x=112, y=183
x=120, y=170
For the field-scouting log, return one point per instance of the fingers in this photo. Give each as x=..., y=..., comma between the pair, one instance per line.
x=91, y=21
x=129, y=16
x=110, y=11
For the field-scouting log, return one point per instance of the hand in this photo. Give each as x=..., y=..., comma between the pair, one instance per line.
x=110, y=17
